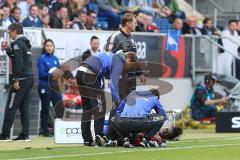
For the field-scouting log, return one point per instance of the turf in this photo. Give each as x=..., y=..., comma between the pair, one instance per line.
x=195, y=144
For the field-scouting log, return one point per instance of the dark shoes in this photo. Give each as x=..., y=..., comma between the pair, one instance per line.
x=144, y=143
x=127, y=144
x=89, y=144
x=4, y=139
x=99, y=140
x=22, y=138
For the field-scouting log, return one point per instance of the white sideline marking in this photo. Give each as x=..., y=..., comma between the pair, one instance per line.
x=128, y=151
x=203, y=140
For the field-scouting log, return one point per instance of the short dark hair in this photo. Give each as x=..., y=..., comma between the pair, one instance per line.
x=67, y=74
x=128, y=17
x=173, y=134
x=5, y=6
x=155, y=92
x=208, y=77
x=17, y=27
x=14, y=9
x=206, y=20
x=61, y=6
x=90, y=12
x=232, y=21
x=33, y=5
x=45, y=42
x=93, y=37
x=131, y=55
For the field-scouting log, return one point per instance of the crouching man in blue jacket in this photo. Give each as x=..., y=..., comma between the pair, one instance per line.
x=89, y=74
x=134, y=115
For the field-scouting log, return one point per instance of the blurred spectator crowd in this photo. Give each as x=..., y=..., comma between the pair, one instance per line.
x=152, y=15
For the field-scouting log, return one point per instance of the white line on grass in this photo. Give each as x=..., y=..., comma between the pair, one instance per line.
x=203, y=140
x=128, y=151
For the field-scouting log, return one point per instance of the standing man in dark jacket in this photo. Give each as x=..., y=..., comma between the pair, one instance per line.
x=123, y=39
x=20, y=54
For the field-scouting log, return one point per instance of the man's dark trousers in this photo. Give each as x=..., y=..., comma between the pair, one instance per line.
x=20, y=101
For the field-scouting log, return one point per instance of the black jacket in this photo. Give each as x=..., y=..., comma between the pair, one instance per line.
x=55, y=22
x=20, y=54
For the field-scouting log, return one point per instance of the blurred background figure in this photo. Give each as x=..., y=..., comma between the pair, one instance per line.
x=48, y=89
x=94, y=48
x=191, y=26
x=79, y=22
x=208, y=28
x=33, y=19
x=16, y=15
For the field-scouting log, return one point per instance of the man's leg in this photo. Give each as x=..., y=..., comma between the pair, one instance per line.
x=11, y=109
x=86, y=104
x=209, y=111
x=24, y=108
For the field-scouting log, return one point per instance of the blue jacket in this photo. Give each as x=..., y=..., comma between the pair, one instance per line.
x=109, y=66
x=27, y=22
x=45, y=63
x=140, y=104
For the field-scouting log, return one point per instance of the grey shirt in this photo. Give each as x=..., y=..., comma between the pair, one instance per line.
x=119, y=40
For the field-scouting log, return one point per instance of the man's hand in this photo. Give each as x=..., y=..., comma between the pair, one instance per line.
x=16, y=85
x=4, y=45
x=225, y=99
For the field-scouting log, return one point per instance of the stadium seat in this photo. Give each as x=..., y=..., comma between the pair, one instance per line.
x=103, y=24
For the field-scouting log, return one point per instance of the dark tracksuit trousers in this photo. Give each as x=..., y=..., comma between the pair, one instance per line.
x=50, y=93
x=90, y=90
x=20, y=101
x=125, y=126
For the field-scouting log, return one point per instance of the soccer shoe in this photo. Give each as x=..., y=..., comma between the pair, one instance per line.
x=127, y=144
x=4, y=139
x=111, y=144
x=144, y=143
x=21, y=138
x=89, y=144
x=105, y=139
x=153, y=144
x=99, y=140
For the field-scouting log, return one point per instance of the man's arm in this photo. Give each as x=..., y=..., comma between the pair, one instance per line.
x=120, y=107
x=116, y=70
x=18, y=59
x=200, y=95
x=159, y=108
x=113, y=43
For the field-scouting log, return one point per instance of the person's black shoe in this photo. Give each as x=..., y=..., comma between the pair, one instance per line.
x=111, y=144
x=153, y=144
x=21, y=138
x=4, y=139
x=105, y=139
x=99, y=140
x=144, y=143
x=89, y=144
x=127, y=144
